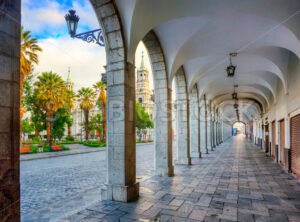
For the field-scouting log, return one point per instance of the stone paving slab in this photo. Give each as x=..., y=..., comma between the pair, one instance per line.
x=236, y=182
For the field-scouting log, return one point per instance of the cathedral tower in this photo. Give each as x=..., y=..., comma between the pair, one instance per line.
x=143, y=93
x=69, y=83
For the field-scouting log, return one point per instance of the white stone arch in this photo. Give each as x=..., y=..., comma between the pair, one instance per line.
x=182, y=121
x=163, y=161
x=121, y=182
x=194, y=115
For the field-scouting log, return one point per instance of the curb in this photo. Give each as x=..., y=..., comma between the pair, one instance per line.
x=67, y=154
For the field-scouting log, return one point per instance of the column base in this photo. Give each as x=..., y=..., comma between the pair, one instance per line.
x=183, y=161
x=163, y=172
x=120, y=193
x=196, y=154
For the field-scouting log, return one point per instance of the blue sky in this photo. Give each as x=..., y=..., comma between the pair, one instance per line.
x=45, y=18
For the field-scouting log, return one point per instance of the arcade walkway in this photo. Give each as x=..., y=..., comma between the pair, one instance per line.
x=236, y=182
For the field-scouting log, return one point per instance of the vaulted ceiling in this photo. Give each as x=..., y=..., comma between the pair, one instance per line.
x=200, y=34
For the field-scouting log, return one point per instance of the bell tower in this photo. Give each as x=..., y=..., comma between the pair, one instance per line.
x=143, y=93
x=69, y=83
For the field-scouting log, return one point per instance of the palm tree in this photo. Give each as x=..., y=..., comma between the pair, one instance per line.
x=70, y=101
x=100, y=86
x=87, y=100
x=50, y=94
x=28, y=57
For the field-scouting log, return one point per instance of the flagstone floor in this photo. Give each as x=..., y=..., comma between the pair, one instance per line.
x=236, y=182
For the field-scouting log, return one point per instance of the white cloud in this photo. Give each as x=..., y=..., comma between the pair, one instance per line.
x=87, y=15
x=39, y=19
x=85, y=59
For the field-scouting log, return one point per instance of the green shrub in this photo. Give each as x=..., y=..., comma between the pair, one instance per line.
x=31, y=137
x=36, y=138
x=64, y=147
x=70, y=138
x=34, y=149
x=94, y=144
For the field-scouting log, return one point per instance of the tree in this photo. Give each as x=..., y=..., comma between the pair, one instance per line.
x=96, y=124
x=28, y=57
x=87, y=100
x=100, y=86
x=27, y=127
x=142, y=119
x=70, y=101
x=29, y=102
x=62, y=118
x=50, y=93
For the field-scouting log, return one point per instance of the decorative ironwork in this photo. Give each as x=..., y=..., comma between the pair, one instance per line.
x=94, y=36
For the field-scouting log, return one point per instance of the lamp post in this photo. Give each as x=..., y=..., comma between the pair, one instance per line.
x=94, y=36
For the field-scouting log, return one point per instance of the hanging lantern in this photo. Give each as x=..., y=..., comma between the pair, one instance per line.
x=234, y=95
x=72, y=21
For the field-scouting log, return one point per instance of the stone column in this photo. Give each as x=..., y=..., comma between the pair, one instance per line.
x=10, y=18
x=182, y=113
x=202, y=127
x=163, y=158
x=194, y=124
x=121, y=151
x=208, y=127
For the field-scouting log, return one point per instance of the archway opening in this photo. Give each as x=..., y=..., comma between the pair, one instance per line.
x=51, y=179
x=238, y=128
x=144, y=98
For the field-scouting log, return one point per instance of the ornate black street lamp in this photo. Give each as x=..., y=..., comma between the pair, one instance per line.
x=231, y=69
x=94, y=36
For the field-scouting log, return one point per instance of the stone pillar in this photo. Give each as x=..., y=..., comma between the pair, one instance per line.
x=10, y=18
x=219, y=133
x=208, y=127
x=202, y=127
x=163, y=158
x=121, y=151
x=194, y=124
x=182, y=113
x=215, y=133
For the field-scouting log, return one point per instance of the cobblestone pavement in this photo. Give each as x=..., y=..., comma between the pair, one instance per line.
x=56, y=187
x=236, y=182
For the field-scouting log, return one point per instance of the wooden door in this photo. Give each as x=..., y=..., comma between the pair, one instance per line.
x=282, y=142
x=295, y=145
x=267, y=138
